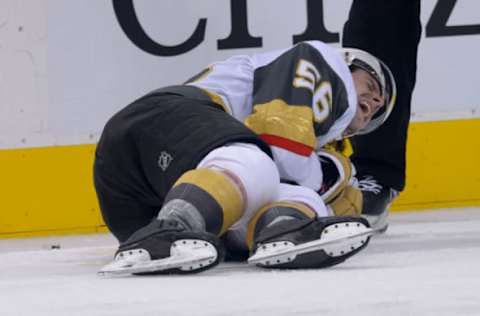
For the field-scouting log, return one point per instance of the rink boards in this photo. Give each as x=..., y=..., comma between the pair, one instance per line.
x=49, y=190
x=61, y=78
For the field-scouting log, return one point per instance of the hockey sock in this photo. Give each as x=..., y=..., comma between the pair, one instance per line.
x=204, y=199
x=275, y=213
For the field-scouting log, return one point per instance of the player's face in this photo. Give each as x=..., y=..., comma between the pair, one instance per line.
x=370, y=100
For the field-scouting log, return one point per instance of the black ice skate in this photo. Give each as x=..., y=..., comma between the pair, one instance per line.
x=310, y=243
x=376, y=200
x=166, y=246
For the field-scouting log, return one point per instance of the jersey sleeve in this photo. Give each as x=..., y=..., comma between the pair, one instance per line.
x=228, y=83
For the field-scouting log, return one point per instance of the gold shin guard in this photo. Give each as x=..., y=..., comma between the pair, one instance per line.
x=214, y=194
x=270, y=212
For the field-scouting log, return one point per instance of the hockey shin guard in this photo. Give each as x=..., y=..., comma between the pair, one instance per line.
x=204, y=200
x=292, y=214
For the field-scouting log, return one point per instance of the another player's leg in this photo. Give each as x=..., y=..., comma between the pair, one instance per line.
x=391, y=31
x=202, y=205
x=377, y=198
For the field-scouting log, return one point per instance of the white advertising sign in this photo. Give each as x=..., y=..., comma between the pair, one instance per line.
x=67, y=66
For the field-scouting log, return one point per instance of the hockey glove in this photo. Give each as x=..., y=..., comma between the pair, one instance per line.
x=338, y=190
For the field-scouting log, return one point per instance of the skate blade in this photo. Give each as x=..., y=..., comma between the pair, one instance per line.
x=186, y=255
x=280, y=252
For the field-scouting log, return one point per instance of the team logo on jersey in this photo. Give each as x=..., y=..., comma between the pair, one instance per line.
x=164, y=160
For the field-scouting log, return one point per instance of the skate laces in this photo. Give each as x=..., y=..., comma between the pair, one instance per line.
x=369, y=184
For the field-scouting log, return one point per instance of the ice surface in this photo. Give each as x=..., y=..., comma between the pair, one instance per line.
x=426, y=264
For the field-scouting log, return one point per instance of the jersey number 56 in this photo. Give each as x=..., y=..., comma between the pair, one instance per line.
x=308, y=77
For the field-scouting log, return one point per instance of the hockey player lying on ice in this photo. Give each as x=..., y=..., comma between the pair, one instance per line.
x=229, y=162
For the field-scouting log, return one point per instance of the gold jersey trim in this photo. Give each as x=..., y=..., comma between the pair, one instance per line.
x=302, y=208
x=217, y=99
x=277, y=118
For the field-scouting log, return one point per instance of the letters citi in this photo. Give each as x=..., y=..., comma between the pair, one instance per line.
x=240, y=36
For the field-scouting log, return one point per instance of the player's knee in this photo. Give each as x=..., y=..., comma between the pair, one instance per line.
x=254, y=171
x=206, y=199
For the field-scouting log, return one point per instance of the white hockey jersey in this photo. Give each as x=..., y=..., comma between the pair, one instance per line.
x=296, y=99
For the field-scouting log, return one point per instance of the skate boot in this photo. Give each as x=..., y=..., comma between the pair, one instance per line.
x=292, y=242
x=166, y=246
x=376, y=201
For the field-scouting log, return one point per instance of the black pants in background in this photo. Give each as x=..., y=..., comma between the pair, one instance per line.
x=390, y=30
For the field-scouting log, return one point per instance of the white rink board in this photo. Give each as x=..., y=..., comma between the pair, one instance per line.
x=426, y=264
x=67, y=66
